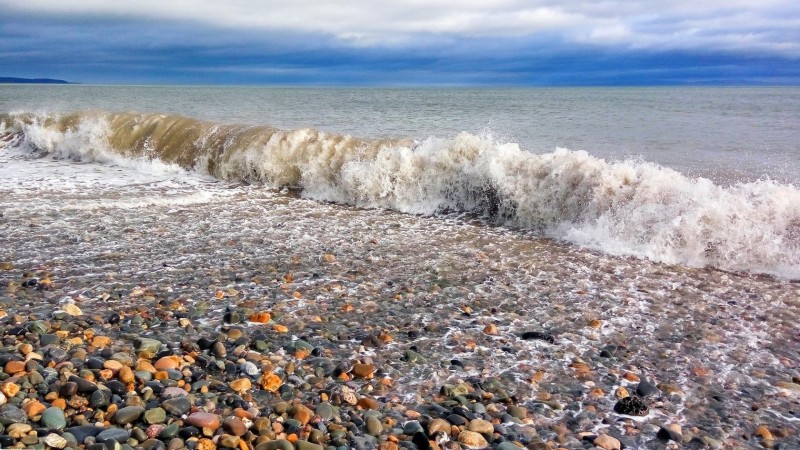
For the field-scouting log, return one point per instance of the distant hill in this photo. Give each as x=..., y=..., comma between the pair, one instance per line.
x=31, y=81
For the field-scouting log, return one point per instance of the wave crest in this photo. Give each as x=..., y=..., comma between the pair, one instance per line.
x=623, y=208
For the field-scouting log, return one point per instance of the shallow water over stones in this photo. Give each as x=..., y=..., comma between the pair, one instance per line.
x=413, y=318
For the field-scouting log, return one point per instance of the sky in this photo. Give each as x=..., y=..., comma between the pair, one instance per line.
x=404, y=42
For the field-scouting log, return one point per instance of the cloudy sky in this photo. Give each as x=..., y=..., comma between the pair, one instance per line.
x=403, y=42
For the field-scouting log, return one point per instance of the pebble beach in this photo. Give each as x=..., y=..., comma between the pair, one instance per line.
x=159, y=311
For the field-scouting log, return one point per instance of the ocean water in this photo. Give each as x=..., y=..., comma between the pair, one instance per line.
x=662, y=225
x=699, y=177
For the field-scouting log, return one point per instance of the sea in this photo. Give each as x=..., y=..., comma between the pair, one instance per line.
x=664, y=221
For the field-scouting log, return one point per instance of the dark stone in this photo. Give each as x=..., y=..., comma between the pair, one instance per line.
x=11, y=414
x=631, y=406
x=49, y=339
x=114, y=434
x=177, y=406
x=116, y=387
x=538, y=336
x=665, y=434
x=84, y=385
x=645, y=389
x=82, y=432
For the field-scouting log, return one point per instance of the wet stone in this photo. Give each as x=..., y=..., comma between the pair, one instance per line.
x=128, y=414
x=114, y=434
x=631, y=406
x=53, y=418
x=645, y=389
x=177, y=406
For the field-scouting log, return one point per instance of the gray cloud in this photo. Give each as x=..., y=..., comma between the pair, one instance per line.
x=737, y=26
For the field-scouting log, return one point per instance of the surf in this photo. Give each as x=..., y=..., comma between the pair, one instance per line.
x=632, y=208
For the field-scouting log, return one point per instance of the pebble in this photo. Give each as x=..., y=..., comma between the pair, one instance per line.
x=55, y=441
x=607, y=442
x=204, y=420
x=128, y=414
x=472, y=440
x=53, y=418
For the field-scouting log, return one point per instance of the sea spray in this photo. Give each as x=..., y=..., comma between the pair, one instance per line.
x=623, y=208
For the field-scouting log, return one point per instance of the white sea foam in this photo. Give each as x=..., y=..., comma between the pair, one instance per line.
x=622, y=208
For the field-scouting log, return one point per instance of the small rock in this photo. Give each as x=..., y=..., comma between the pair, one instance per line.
x=53, y=418
x=631, y=406
x=471, y=439
x=204, y=420
x=607, y=442
x=481, y=426
x=55, y=441
x=128, y=414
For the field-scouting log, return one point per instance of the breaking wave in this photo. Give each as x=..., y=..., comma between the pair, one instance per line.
x=622, y=208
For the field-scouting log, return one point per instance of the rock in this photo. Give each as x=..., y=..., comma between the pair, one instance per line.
x=481, y=426
x=11, y=414
x=72, y=309
x=34, y=409
x=471, y=439
x=53, y=419
x=363, y=370
x=645, y=389
x=115, y=434
x=155, y=415
x=128, y=414
x=670, y=432
x=204, y=420
x=82, y=432
x=607, y=442
x=14, y=367
x=538, y=336
x=18, y=430
x=516, y=411
x=171, y=362
x=438, y=425
x=324, y=410
x=177, y=406
x=240, y=385
x=228, y=441
x=234, y=426
x=374, y=426
x=218, y=350
x=631, y=406
x=49, y=339
x=305, y=445
x=277, y=444
x=250, y=369
x=55, y=441
x=147, y=344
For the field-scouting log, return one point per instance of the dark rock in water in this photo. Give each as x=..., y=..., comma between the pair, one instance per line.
x=421, y=441
x=113, y=318
x=49, y=339
x=538, y=336
x=665, y=434
x=645, y=389
x=631, y=406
